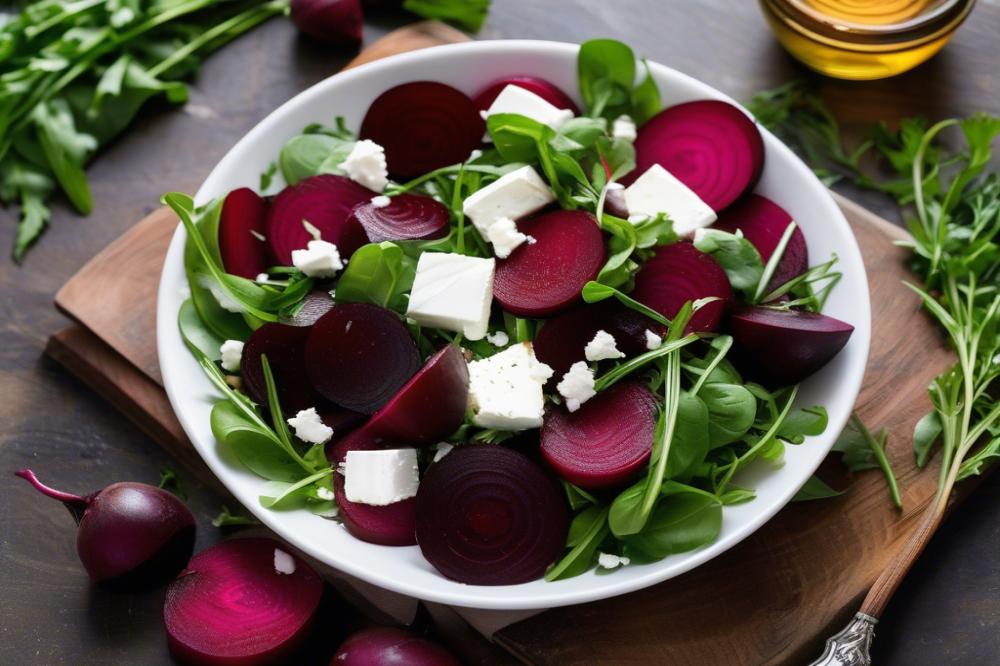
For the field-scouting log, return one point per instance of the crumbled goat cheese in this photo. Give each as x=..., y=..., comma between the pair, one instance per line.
x=283, y=562
x=610, y=561
x=381, y=201
x=653, y=341
x=498, y=339
x=365, y=165
x=577, y=385
x=309, y=427
x=320, y=259
x=602, y=347
x=324, y=493
x=232, y=351
x=505, y=237
x=624, y=128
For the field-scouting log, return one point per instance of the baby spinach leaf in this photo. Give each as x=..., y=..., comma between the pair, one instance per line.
x=606, y=72
x=578, y=497
x=196, y=334
x=257, y=448
x=808, y=421
x=622, y=239
x=736, y=255
x=645, y=98
x=731, y=412
x=308, y=155
x=378, y=273
x=684, y=519
x=466, y=14
x=294, y=490
x=654, y=231
x=690, y=442
x=735, y=496
x=588, y=529
x=815, y=488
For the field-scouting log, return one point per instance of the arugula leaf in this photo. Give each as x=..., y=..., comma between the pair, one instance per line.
x=65, y=149
x=170, y=482
x=228, y=519
x=864, y=451
x=925, y=435
x=253, y=443
x=308, y=155
x=30, y=186
x=294, y=490
x=466, y=14
x=588, y=529
x=378, y=273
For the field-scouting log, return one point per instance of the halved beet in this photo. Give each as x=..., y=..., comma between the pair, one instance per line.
x=430, y=406
x=679, y=273
x=783, y=347
x=326, y=203
x=711, y=146
x=763, y=223
x=316, y=304
x=388, y=646
x=487, y=515
x=407, y=217
x=606, y=442
x=359, y=355
x=547, y=91
x=541, y=278
x=423, y=125
x=241, y=234
x=232, y=605
x=284, y=347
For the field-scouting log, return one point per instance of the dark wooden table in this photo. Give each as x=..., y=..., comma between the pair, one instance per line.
x=948, y=611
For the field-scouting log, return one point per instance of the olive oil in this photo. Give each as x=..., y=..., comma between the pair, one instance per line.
x=864, y=39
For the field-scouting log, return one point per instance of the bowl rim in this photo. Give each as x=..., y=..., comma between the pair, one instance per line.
x=457, y=594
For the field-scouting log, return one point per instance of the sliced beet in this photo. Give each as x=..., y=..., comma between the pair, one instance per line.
x=606, y=442
x=430, y=406
x=487, y=515
x=763, y=223
x=232, y=605
x=711, y=146
x=284, y=347
x=547, y=91
x=783, y=347
x=680, y=273
x=316, y=304
x=423, y=125
x=407, y=217
x=541, y=278
x=359, y=355
x=388, y=646
x=241, y=234
x=326, y=203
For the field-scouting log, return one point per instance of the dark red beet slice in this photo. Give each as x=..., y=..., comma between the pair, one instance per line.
x=407, y=217
x=783, y=347
x=430, y=406
x=326, y=203
x=679, y=273
x=387, y=646
x=284, y=347
x=547, y=91
x=359, y=355
x=541, y=278
x=423, y=126
x=606, y=442
x=487, y=515
x=711, y=146
x=614, y=203
x=336, y=22
x=232, y=606
x=241, y=230
x=314, y=305
x=763, y=223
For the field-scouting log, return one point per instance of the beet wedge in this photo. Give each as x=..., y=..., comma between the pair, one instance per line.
x=406, y=217
x=487, y=515
x=547, y=91
x=423, y=125
x=763, y=223
x=546, y=276
x=243, y=601
x=241, y=234
x=680, y=273
x=607, y=442
x=359, y=355
x=430, y=406
x=284, y=347
x=711, y=146
x=326, y=203
x=784, y=347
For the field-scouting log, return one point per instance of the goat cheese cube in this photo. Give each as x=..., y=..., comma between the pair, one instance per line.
x=380, y=478
x=515, y=99
x=653, y=341
x=658, y=191
x=505, y=237
x=602, y=347
x=320, y=259
x=514, y=195
x=309, y=427
x=505, y=390
x=624, y=128
x=366, y=165
x=232, y=352
x=577, y=385
x=454, y=292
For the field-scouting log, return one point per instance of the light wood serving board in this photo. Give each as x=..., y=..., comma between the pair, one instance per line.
x=771, y=599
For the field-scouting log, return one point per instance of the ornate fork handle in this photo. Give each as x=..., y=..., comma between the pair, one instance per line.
x=850, y=646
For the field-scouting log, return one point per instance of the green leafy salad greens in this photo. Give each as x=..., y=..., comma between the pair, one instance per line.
x=711, y=425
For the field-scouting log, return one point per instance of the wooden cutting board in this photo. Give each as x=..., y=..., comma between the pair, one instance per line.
x=772, y=599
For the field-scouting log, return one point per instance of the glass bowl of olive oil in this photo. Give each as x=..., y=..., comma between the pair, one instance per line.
x=864, y=39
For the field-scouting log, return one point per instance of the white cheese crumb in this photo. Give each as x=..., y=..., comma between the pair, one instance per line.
x=638, y=218
x=610, y=561
x=309, y=427
x=232, y=351
x=222, y=297
x=498, y=339
x=577, y=386
x=366, y=165
x=624, y=128
x=320, y=259
x=615, y=186
x=283, y=562
x=505, y=237
x=653, y=341
x=443, y=449
x=259, y=236
x=262, y=277
x=602, y=347
x=475, y=155
x=381, y=201
x=324, y=493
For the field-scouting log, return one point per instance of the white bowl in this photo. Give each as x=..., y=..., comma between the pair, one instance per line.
x=469, y=67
